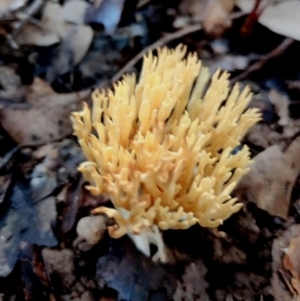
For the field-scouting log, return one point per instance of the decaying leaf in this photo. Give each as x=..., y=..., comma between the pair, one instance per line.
x=282, y=288
x=291, y=262
x=43, y=118
x=25, y=221
x=270, y=182
x=281, y=17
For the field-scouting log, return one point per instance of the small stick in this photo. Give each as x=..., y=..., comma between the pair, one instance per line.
x=164, y=40
x=257, y=65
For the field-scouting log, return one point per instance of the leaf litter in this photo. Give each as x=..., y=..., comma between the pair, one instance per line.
x=53, y=54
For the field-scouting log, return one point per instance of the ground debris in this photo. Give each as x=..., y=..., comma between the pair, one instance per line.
x=273, y=175
x=281, y=280
x=134, y=276
x=49, y=110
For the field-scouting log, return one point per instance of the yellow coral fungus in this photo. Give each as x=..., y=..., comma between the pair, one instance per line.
x=163, y=148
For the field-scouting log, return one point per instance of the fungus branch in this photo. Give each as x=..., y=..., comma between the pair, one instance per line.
x=162, y=147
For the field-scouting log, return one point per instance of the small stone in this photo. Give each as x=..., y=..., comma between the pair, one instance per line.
x=91, y=228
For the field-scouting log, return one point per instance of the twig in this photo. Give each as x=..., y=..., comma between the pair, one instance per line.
x=164, y=40
x=259, y=64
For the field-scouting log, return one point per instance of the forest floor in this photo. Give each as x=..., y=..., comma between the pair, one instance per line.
x=52, y=55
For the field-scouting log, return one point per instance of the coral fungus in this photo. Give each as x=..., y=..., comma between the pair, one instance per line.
x=163, y=148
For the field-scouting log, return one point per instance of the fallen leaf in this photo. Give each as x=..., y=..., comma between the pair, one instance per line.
x=74, y=11
x=72, y=197
x=291, y=262
x=73, y=48
x=78, y=39
x=271, y=179
x=43, y=118
x=33, y=34
x=108, y=13
x=55, y=26
x=193, y=286
x=281, y=17
x=53, y=19
x=8, y=6
x=25, y=221
x=280, y=282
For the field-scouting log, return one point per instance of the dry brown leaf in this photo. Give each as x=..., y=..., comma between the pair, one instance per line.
x=291, y=262
x=281, y=17
x=270, y=182
x=43, y=118
x=281, y=280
